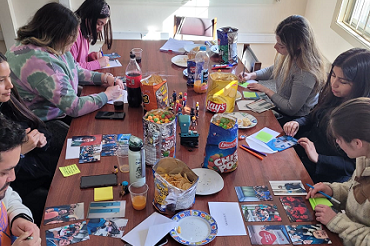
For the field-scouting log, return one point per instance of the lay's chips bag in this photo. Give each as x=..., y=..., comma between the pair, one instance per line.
x=222, y=142
x=221, y=93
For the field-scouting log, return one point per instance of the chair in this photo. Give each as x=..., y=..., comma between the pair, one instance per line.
x=195, y=26
x=249, y=59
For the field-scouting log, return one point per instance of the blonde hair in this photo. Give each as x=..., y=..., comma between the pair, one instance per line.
x=297, y=36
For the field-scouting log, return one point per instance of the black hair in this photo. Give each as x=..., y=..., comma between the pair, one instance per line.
x=11, y=134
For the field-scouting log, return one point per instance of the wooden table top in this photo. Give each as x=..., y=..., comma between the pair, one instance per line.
x=251, y=171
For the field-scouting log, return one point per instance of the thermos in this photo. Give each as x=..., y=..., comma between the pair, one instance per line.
x=136, y=161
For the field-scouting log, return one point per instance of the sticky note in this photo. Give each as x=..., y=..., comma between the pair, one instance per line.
x=243, y=84
x=319, y=200
x=264, y=136
x=103, y=193
x=69, y=170
x=250, y=94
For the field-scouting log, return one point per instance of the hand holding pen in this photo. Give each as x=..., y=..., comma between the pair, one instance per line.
x=323, y=189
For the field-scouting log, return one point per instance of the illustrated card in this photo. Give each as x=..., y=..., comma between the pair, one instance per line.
x=89, y=153
x=109, y=145
x=107, y=227
x=253, y=193
x=64, y=213
x=288, y=187
x=260, y=212
x=86, y=140
x=282, y=143
x=296, y=209
x=268, y=234
x=111, y=209
x=307, y=234
x=68, y=234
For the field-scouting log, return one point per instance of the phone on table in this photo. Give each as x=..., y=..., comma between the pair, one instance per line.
x=98, y=180
x=110, y=115
x=161, y=242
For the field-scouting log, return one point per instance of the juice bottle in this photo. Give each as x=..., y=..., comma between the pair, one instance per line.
x=201, y=71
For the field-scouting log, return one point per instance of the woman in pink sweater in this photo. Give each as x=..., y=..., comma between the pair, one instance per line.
x=95, y=16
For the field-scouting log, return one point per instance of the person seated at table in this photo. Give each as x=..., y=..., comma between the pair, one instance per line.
x=40, y=153
x=45, y=73
x=349, y=125
x=15, y=218
x=298, y=70
x=95, y=16
x=349, y=78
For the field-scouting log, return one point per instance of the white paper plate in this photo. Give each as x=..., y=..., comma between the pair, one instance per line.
x=180, y=60
x=185, y=72
x=238, y=95
x=194, y=227
x=210, y=182
x=241, y=116
x=189, y=47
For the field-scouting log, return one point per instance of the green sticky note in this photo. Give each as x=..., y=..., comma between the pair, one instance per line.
x=243, y=84
x=69, y=170
x=264, y=136
x=249, y=94
x=319, y=200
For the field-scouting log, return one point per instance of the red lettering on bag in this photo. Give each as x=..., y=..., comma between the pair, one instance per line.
x=227, y=145
x=215, y=107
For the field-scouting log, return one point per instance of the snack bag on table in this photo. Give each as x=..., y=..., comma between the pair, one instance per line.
x=154, y=91
x=222, y=142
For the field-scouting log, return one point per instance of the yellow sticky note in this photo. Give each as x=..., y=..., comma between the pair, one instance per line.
x=103, y=193
x=319, y=200
x=69, y=170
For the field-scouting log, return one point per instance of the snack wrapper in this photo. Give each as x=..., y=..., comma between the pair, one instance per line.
x=222, y=142
x=227, y=38
x=154, y=92
x=169, y=175
x=159, y=135
x=221, y=93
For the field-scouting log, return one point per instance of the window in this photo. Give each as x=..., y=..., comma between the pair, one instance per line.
x=357, y=15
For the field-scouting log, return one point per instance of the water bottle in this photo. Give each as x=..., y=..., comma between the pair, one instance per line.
x=136, y=161
x=133, y=77
x=201, y=70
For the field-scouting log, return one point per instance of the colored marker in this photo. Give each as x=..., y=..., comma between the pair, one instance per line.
x=251, y=152
x=326, y=195
x=256, y=151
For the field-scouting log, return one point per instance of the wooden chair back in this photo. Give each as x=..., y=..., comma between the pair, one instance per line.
x=249, y=59
x=195, y=26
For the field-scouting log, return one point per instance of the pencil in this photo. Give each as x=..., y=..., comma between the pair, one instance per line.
x=326, y=195
x=256, y=151
x=251, y=152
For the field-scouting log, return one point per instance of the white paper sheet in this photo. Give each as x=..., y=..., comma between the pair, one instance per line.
x=175, y=46
x=258, y=144
x=72, y=152
x=113, y=63
x=228, y=217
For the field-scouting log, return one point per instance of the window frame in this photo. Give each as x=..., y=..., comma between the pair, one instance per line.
x=343, y=30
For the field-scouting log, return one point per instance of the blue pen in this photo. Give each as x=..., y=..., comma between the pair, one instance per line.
x=326, y=195
x=101, y=51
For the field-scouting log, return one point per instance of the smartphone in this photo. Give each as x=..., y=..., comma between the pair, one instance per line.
x=110, y=115
x=98, y=180
x=161, y=242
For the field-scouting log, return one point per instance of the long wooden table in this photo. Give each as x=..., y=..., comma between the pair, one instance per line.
x=251, y=171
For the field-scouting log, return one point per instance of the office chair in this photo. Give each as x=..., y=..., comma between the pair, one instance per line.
x=195, y=26
x=249, y=59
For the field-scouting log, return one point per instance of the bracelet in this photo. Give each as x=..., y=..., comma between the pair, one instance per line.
x=106, y=78
x=23, y=216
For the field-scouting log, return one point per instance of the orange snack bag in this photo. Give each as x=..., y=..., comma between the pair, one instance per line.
x=154, y=91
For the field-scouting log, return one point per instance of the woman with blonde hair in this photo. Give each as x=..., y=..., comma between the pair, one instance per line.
x=298, y=70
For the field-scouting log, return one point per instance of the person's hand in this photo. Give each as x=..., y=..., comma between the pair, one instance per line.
x=34, y=139
x=243, y=76
x=95, y=55
x=21, y=226
x=310, y=149
x=103, y=61
x=118, y=82
x=23, y=240
x=291, y=128
x=113, y=92
x=319, y=187
x=324, y=214
x=257, y=87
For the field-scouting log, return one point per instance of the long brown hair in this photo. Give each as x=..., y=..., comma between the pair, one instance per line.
x=297, y=36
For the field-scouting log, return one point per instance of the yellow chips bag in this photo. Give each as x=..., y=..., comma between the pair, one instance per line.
x=221, y=93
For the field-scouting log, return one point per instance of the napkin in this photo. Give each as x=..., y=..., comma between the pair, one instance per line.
x=150, y=231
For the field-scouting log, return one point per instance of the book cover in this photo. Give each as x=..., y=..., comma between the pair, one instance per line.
x=260, y=212
x=307, y=234
x=296, y=209
x=253, y=193
x=268, y=234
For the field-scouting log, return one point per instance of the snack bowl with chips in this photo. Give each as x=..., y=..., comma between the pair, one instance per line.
x=174, y=185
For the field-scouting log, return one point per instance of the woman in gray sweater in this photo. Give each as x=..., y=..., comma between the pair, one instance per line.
x=298, y=70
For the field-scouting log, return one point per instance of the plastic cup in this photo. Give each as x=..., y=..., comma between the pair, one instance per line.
x=138, y=195
x=138, y=52
x=122, y=158
x=118, y=105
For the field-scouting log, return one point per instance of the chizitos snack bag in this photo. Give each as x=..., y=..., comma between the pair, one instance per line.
x=221, y=93
x=222, y=141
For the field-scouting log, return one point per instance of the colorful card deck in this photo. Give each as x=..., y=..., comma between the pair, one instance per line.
x=260, y=212
x=253, y=193
x=307, y=234
x=296, y=209
x=268, y=234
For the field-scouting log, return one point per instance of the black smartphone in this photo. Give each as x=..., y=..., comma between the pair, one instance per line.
x=161, y=242
x=98, y=180
x=110, y=115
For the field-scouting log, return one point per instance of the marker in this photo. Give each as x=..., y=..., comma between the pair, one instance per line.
x=29, y=238
x=251, y=152
x=256, y=151
x=326, y=195
x=101, y=51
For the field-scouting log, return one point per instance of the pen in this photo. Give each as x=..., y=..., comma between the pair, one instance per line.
x=29, y=238
x=101, y=51
x=251, y=152
x=326, y=195
x=257, y=152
